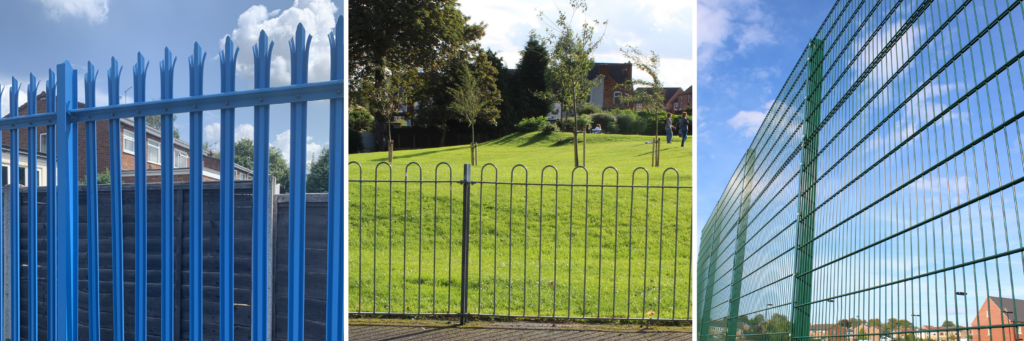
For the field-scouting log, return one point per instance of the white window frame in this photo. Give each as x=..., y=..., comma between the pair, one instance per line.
x=41, y=143
x=126, y=143
x=184, y=157
x=617, y=98
x=152, y=157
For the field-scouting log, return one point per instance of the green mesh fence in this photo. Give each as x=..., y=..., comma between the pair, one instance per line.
x=879, y=199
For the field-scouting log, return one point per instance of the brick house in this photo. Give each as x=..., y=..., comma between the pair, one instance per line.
x=676, y=99
x=605, y=94
x=867, y=331
x=998, y=311
x=211, y=164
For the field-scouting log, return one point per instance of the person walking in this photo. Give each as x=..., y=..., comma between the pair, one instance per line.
x=669, y=128
x=684, y=128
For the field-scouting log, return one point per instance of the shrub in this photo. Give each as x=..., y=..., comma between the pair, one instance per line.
x=584, y=120
x=625, y=123
x=611, y=128
x=359, y=119
x=605, y=120
x=549, y=128
x=589, y=109
x=539, y=123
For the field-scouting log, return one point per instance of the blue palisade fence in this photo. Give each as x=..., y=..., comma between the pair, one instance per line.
x=60, y=123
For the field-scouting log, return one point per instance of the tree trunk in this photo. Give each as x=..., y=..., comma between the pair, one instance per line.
x=379, y=128
x=472, y=144
x=391, y=146
x=444, y=130
x=575, y=130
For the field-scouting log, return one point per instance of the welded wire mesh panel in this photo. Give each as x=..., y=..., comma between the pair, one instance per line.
x=519, y=242
x=879, y=198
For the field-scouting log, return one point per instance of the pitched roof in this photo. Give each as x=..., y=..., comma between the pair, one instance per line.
x=617, y=71
x=669, y=92
x=1014, y=309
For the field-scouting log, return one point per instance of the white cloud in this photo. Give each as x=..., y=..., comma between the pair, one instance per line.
x=283, y=142
x=747, y=122
x=244, y=131
x=317, y=16
x=674, y=72
x=93, y=10
x=211, y=133
x=5, y=96
x=664, y=26
x=742, y=22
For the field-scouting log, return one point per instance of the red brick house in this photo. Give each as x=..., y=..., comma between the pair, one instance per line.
x=211, y=164
x=606, y=93
x=676, y=99
x=997, y=311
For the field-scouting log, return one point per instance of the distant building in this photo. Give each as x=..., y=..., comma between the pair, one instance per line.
x=211, y=163
x=867, y=331
x=676, y=99
x=605, y=93
x=997, y=311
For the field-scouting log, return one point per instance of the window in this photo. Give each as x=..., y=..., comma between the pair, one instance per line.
x=638, y=106
x=617, y=98
x=153, y=151
x=180, y=159
x=23, y=176
x=5, y=174
x=129, y=142
x=42, y=143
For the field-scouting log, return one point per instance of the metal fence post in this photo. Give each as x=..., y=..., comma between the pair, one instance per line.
x=66, y=252
x=741, y=243
x=809, y=174
x=465, y=244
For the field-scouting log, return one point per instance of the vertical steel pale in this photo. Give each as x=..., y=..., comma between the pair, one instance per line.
x=195, y=198
x=261, y=192
x=297, y=191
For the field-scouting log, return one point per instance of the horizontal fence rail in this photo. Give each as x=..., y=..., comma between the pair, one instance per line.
x=65, y=223
x=487, y=241
x=879, y=198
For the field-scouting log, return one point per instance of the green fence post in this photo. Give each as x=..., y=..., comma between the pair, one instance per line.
x=741, y=243
x=805, y=227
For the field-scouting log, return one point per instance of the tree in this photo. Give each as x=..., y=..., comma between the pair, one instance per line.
x=359, y=119
x=210, y=149
x=475, y=97
x=844, y=323
x=531, y=72
x=154, y=121
x=779, y=324
x=648, y=104
x=385, y=95
x=244, y=156
x=319, y=173
x=861, y=335
x=400, y=39
x=512, y=95
x=571, y=59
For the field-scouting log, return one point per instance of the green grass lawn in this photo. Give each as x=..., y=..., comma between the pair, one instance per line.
x=576, y=251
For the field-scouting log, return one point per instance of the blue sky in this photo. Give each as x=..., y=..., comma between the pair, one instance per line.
x=43, y=33
x=745, y=51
